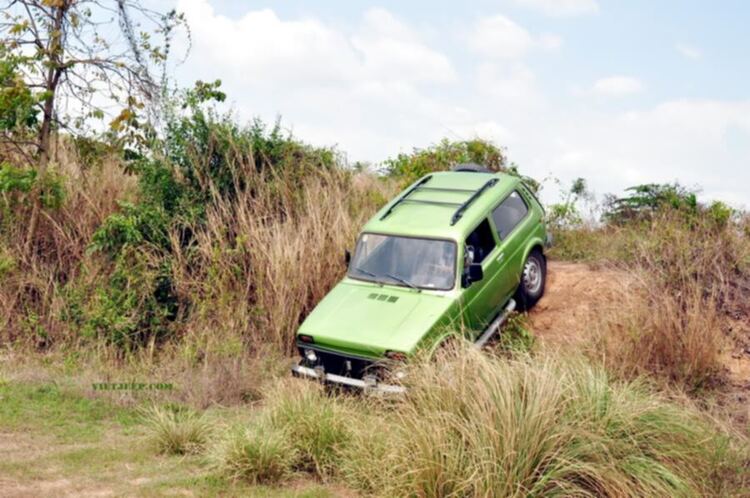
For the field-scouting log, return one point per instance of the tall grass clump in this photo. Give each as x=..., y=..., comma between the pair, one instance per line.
x=482, y=426
x=319, y=426
x=258, y=455
x=177, y=431
x=300, y=430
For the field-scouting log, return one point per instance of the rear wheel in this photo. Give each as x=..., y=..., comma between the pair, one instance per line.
x=533, y=279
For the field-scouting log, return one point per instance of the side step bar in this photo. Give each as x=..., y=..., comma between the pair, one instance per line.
x=493, y=327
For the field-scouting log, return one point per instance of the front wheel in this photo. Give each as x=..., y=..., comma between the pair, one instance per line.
x=533, y=278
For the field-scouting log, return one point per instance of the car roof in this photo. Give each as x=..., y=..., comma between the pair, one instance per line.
x=409, y=214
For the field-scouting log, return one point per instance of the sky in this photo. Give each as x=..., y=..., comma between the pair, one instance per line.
x=619, y=93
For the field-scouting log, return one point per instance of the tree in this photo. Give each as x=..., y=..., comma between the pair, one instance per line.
x=643, y=201
x=565, y=214
x=63, y=61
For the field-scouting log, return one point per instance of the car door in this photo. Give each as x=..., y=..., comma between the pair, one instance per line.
x=513, y=225
x=479, y=298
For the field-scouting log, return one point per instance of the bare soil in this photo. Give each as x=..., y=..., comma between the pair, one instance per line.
x=574, y=294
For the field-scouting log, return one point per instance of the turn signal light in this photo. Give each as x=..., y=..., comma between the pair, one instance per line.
x=395, y=355
x=306, y=338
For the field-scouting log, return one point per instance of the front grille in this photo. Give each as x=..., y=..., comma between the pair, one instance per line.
x=341, y=364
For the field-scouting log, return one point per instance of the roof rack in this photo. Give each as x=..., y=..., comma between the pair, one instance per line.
x=461, y=207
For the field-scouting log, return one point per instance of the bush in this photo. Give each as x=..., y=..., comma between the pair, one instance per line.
x=443, y=156
x=132, y=306
x=407, y=168
x=258, y=455
x=211, y=191
x=176, y=430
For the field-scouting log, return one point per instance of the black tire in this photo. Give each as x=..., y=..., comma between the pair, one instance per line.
x=470, y=167
x=533, y=279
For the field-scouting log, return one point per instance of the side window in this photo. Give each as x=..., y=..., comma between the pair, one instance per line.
x=509, y=213
x=481, y=241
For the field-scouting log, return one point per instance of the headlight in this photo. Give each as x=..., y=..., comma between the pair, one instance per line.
x=311, y=356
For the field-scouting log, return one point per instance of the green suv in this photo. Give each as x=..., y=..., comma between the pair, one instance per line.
x=456, y=250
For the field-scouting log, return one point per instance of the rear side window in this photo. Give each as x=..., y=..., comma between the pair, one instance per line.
x=480, y=241
x=509, y=213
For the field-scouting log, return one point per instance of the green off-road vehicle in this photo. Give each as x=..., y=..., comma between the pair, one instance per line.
x=457, y=250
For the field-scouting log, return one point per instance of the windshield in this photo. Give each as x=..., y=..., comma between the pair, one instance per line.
x=405, y=261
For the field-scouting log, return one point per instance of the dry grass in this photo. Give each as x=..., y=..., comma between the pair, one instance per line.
x=31, y=300
x=257, y=455
x=475, y=425
x=266, y=259
x=676, y=337
x=690, y=277
x=480, y=426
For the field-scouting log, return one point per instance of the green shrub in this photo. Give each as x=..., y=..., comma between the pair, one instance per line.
x=134, y=305
x=205, y=162
x=133, y=226
x=515, y=335
x=15, y=182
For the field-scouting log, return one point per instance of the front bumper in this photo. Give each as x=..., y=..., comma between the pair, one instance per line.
x=368, y=384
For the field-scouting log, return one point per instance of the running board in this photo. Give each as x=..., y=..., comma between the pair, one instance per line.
x=495, y=325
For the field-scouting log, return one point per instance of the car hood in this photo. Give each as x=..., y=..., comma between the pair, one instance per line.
x=370, y=319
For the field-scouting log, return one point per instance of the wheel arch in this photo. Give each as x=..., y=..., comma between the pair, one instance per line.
x=534, y=243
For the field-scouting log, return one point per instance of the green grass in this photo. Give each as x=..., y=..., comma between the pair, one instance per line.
x=52, y=410
x=55, y=435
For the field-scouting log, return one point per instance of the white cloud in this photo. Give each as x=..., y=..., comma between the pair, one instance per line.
x=702, y=143
x=617, y=86
x=378, y=85
x=498, y=37
x=561, y=7
x=548, y=41
x=390, y=48
x=689, y=51
x=510, y=85
x=260, y=47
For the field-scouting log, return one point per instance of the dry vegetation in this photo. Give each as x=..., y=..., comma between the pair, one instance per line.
x=689, y=282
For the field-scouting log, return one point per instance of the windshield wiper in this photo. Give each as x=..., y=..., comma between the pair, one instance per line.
x=403, y=281
x=369, y=273
x=375, y=278
x=394, y=277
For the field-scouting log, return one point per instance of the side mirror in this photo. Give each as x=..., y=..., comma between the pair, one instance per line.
x=347, y=257
x=473, y=273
